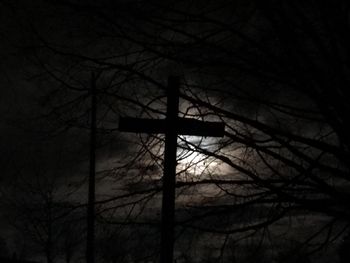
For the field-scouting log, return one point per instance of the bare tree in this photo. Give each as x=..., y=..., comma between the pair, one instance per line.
x=275, y=73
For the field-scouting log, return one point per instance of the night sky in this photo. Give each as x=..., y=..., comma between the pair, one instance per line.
x=274, y=188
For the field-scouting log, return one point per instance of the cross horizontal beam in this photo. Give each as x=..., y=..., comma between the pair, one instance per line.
x=183, y=126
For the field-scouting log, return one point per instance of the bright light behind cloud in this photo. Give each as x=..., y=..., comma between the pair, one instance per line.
x=194, y=165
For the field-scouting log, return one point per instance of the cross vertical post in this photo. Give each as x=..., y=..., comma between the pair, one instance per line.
x=169, y=178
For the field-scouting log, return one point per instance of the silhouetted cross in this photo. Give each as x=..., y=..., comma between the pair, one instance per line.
x=171, y=126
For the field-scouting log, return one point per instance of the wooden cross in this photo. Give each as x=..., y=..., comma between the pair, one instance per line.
x=171, y=126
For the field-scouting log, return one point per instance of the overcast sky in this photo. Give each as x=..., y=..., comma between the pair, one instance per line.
x=49, y=50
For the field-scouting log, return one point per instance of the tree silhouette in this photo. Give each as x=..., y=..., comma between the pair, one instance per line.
x=275, y=73
x=38, y=213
